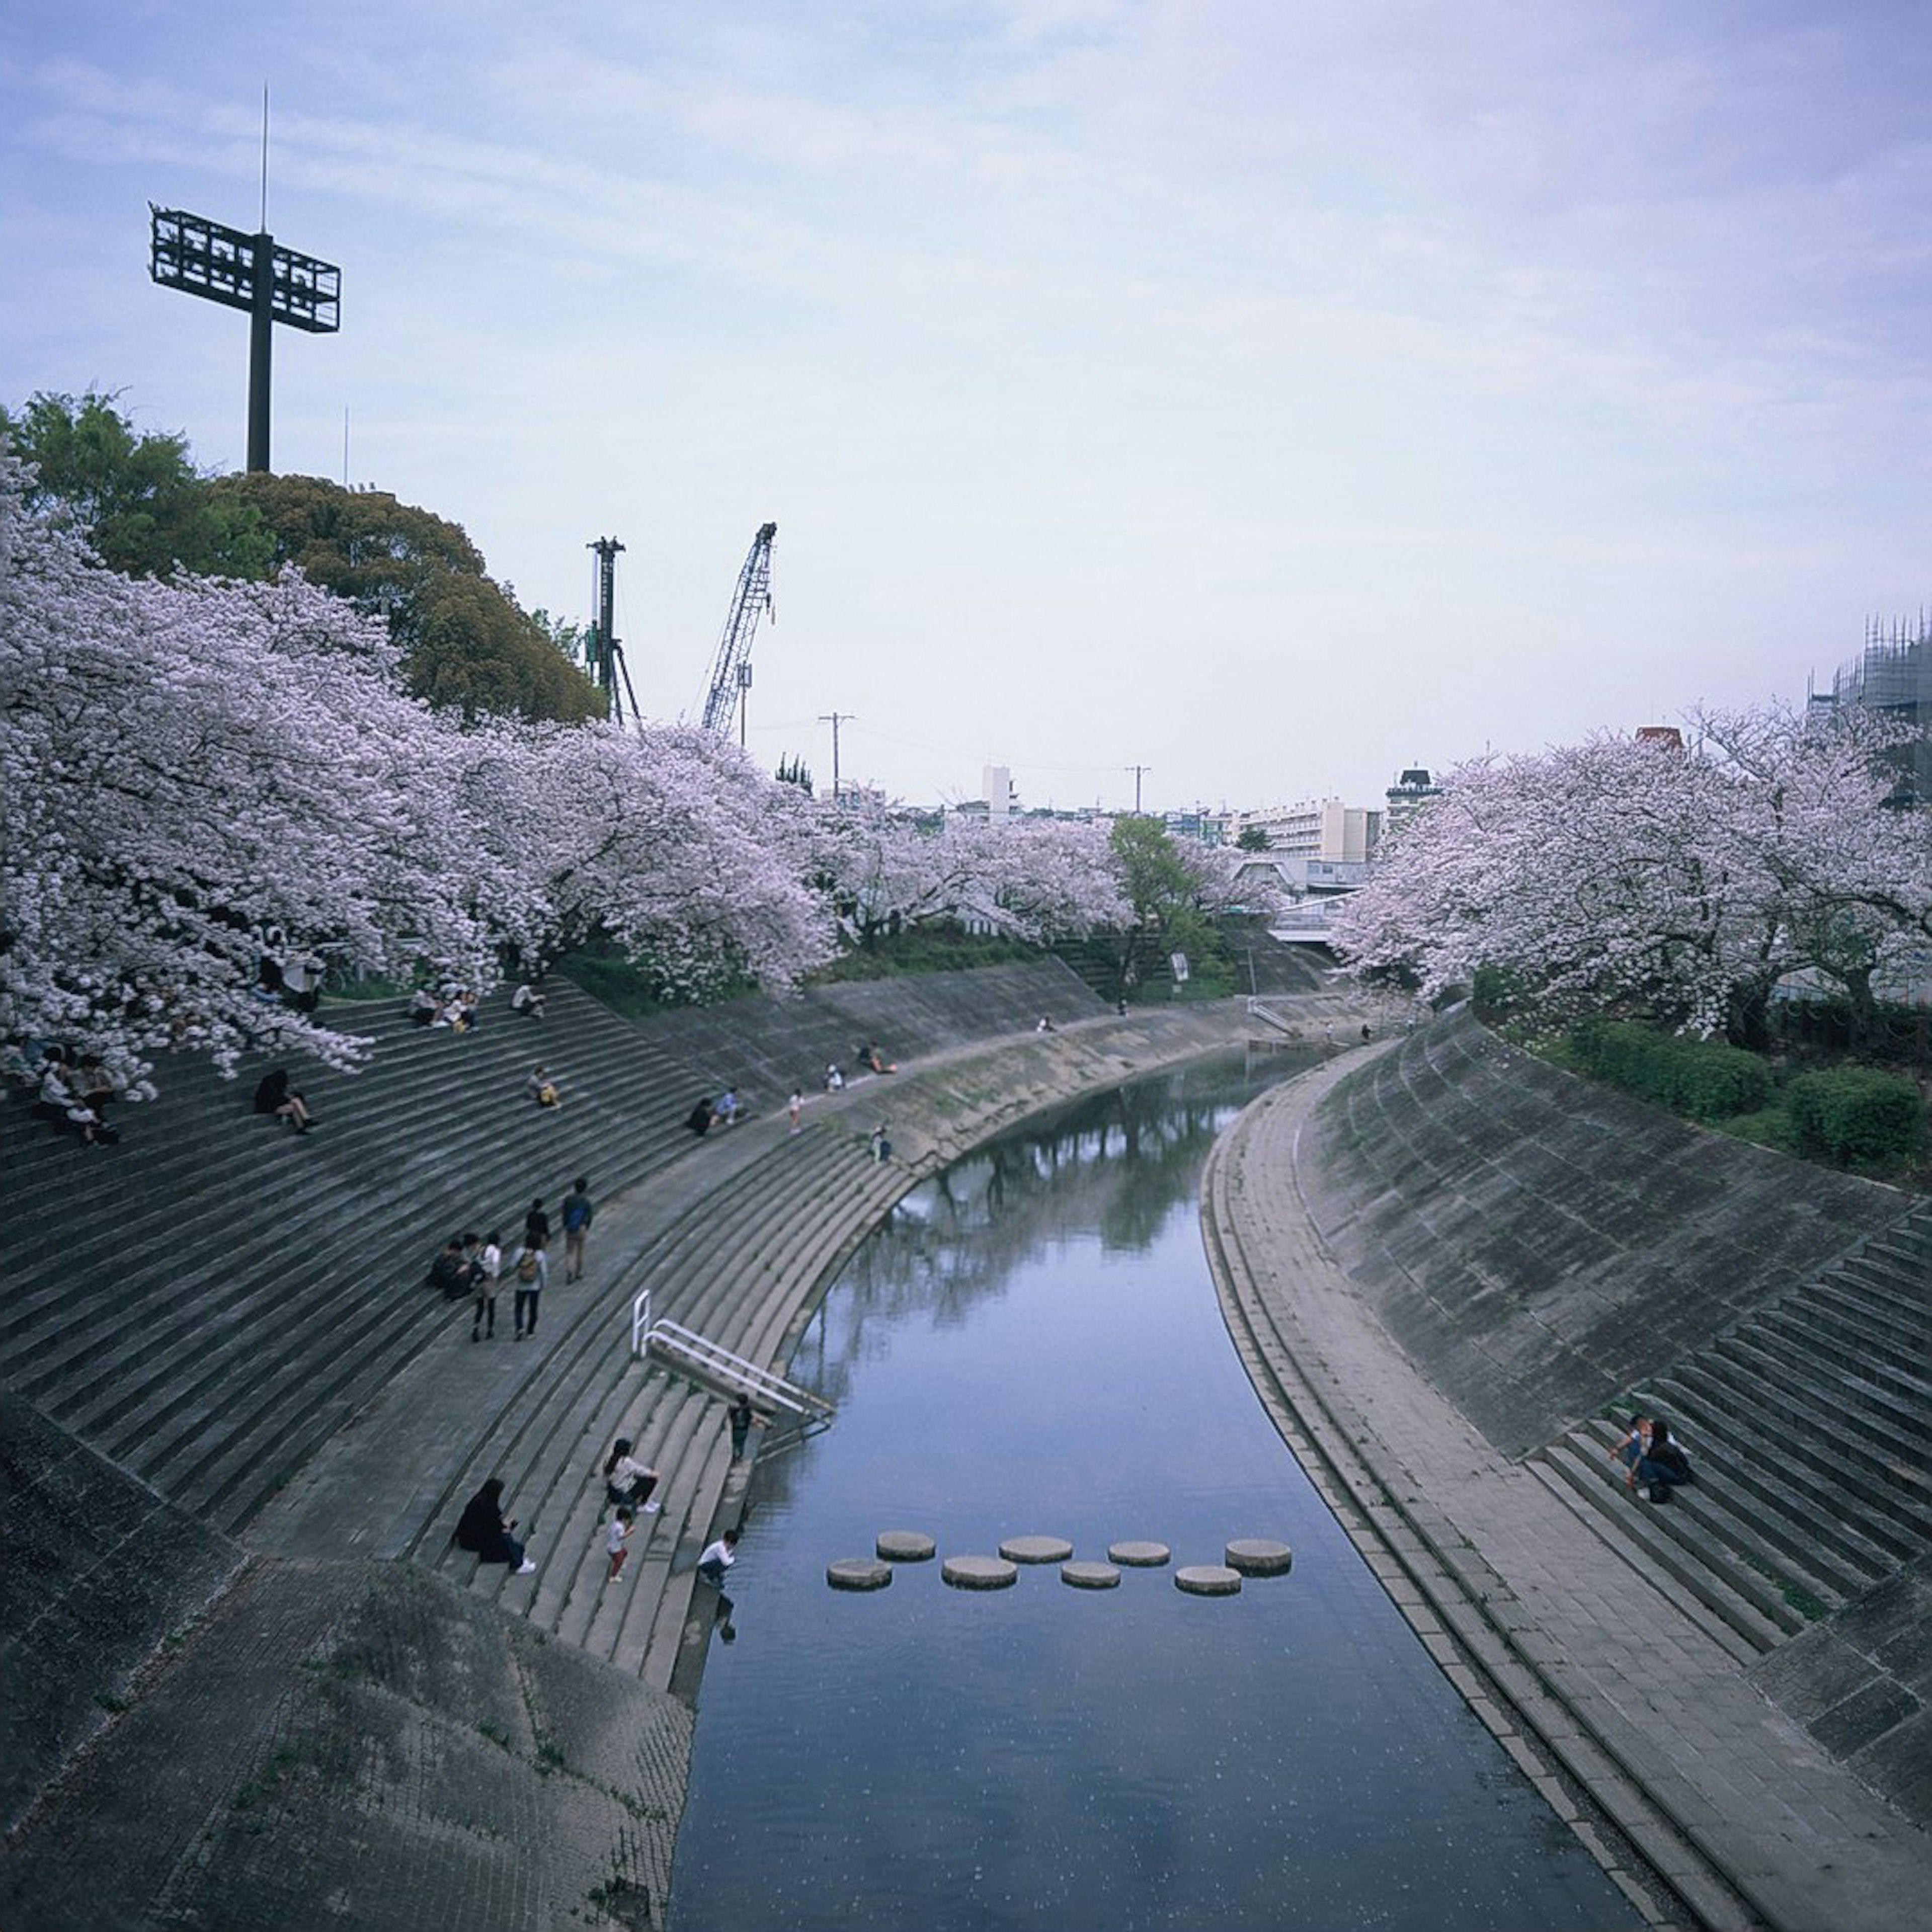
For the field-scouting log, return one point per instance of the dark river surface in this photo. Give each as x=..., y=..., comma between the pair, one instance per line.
x=1032, y=1344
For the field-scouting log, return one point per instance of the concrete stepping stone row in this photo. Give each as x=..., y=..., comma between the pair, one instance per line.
x=1249, y=1556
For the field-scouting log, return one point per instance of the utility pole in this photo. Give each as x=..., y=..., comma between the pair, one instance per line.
x=1137, y=770
x=835, y=718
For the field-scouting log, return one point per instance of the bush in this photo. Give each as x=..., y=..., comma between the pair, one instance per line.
x=1855, y=1113
x=1702, y=1078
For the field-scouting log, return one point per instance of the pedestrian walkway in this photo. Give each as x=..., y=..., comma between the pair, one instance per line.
x=1591, y=1674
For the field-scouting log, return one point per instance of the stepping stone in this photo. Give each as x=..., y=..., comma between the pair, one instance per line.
x=978, y=1573
x=858, y=1572
x=1036, y=1549
x=1090, y=1575
x=1138, y=1555
x=1256, y=1556
x=905, y=1546
x=1207, y=1579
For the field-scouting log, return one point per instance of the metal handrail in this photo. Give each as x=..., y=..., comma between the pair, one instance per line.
x=641, y=1321
x=681, y=1345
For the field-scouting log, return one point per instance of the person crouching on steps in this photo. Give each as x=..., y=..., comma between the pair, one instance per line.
x=530, y=1271
x=718, y=1557
x=626, y=1480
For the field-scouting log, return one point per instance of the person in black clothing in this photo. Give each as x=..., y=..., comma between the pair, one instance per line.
x=483, y=1530
x=699, y=1119
x=449, y=1273
x=536, y=1226
x=1663, y=1465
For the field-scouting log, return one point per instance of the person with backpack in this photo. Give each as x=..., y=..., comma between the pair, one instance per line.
x=577, y=1215
x=530, y=1272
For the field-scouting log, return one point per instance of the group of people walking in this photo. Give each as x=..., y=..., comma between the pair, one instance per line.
x=474, y=1265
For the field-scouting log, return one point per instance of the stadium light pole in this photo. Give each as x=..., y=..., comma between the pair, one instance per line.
x=246, y=271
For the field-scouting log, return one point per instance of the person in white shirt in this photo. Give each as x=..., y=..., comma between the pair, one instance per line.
x=718, y=1558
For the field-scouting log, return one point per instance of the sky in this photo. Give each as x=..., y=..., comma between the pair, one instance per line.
x=1268, y=395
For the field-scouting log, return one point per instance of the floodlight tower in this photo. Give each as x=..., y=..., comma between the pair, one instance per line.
x=246, y=271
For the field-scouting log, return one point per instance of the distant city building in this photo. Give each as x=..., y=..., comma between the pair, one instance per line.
x=1317, y=829
x=1414, y=788
x=1668, y=735
x=1202, y=827
x=997, y=782
x=1894, y=674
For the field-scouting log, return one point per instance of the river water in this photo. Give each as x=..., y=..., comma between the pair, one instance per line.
x=1032, y=1345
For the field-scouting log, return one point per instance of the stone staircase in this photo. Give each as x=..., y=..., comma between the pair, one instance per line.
x=736, y=1261
x=766, y=1046
x=207, y=1302
x=1810, y=1423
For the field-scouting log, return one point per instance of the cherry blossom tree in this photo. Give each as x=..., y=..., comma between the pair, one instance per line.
x=1679, y=883
x=673, y=845
x=188, y=767
x=1033, y=881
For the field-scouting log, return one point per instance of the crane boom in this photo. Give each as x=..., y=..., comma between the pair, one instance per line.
x=731, y=669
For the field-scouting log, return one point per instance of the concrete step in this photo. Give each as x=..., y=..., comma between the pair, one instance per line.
x=1858, y=1414
x=1801, y=1331
x=1745, y=1614
x=1741, y=1505
x=1778, y=1451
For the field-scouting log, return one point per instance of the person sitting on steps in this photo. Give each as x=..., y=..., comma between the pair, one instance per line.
x=483, y=1530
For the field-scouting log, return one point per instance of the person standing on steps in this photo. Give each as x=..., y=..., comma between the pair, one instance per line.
x=617, y=1539
x=489, y=1266
x=536, y=1224
x=743, y=1418
x=577, y=1216
x=718, y=1558
x=531, y=1271
x=793, y=1107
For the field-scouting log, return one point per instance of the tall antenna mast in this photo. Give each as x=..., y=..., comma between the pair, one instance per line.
x=265, y=155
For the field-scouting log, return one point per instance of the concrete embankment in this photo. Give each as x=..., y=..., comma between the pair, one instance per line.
x=365, y=1721
x=1438, y=1261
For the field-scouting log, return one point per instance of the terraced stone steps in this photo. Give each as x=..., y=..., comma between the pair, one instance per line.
x=765, y=1047
x=1809, y=1425
x=737, y=1261
x=246, y=1289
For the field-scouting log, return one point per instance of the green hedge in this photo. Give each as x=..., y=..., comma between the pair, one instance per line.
x=1855, y=1113
x=1704, y=1079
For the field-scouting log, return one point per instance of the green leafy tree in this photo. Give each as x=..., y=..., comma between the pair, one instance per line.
x=1253, y=839
x=142, y=505
x=465, y=640
x=795, y=772
x=1172, y=892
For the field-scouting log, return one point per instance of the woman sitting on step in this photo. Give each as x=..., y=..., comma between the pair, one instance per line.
x=483, y=1531
x=628, y=1482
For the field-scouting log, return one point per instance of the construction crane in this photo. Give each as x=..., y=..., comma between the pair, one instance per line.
x=731, y=678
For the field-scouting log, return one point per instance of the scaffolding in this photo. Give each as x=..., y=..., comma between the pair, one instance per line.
x=1894, y=674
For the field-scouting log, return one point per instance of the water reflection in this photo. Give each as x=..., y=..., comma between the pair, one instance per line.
x=1032, y=1344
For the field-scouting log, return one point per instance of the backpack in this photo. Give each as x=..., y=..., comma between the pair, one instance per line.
x=526, y=1265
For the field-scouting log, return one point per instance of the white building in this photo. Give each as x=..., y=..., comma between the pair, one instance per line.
x=1323, y=829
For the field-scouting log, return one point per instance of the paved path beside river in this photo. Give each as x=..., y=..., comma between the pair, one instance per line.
x=1570, y=1655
